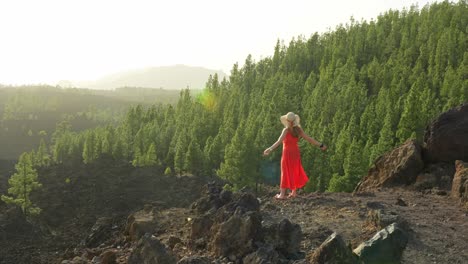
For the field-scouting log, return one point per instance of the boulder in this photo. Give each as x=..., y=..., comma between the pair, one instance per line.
x=100, y=232
x=150, y=250
x=238, y=235
x=425, y=181
x=141, y=222
x=400, y=166
x=285, y=236
x=213, y=198
x=201, y=226
x=289, y=237
x=445, y=139
x=248, y=202
x=435, y=175
x=460, y=181
x=227, y=224
x=263, y=255
x=385, y=247
x=381, y=218
x=241, y=203
x=225, y=196
x=108, y=257
x=333, y=251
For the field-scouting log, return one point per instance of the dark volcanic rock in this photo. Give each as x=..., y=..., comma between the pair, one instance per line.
x=381, y=218
x=141, y=222
x=385, y=247
x=108, y=257
x=227, y=224
x=284, y=236
x=435, y=175
x=151, y=251
x=242, y=203
x=446, y=139
x=333, y=251
x=397, y=167
x=200, y=227
x=238, y=235
x=214, y=198
x=263, y=255
x=100, y=231
x=460, y=182
x=289, y=237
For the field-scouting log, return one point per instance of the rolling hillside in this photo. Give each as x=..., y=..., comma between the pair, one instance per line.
x=169, y=77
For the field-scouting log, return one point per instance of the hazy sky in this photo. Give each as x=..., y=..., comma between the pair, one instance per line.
x=44, y=41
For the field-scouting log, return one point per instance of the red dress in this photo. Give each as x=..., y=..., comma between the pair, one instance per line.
x=293, y=175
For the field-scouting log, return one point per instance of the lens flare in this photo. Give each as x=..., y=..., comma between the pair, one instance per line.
x=207, y=99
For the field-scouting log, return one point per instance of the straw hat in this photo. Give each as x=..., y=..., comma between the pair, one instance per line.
x=290, y=117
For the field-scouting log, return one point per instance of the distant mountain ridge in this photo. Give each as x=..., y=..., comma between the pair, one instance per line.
x=174, y=77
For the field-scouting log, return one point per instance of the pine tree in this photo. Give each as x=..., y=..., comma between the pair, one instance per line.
x=354, y=166
x=239, y=162
x=89, y=151
x=61, y=128
x=60, y=148
x=106, y=146
x=409, y=121
x=22, y=183
x=208, y=163
x=193, y=161
x=341, y=148
x=463, y=77
x=340, y=183
x=138, y=158
x=43, y=157
x=118, y=149
x=180, y=151
x=151, y=158
x=386, y=139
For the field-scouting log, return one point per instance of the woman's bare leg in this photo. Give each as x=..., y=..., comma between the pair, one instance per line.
x=282, y=194
x=293, y=193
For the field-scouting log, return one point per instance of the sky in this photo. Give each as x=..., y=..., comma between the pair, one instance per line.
x=46, y=41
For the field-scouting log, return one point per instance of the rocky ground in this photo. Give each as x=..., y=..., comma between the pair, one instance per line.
x=74, y=197
x=437, y=227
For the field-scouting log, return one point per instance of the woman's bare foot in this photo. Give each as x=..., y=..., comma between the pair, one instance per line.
x=280, y=196
x=292, y=194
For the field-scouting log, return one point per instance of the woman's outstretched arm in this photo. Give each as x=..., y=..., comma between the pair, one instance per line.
x=312, y=140
x=276, y=144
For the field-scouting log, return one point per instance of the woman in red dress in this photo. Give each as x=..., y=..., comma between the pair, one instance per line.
x=293, y=175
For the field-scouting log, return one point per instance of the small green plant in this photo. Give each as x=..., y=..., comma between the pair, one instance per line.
x=168, y=171
x=229, y=187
